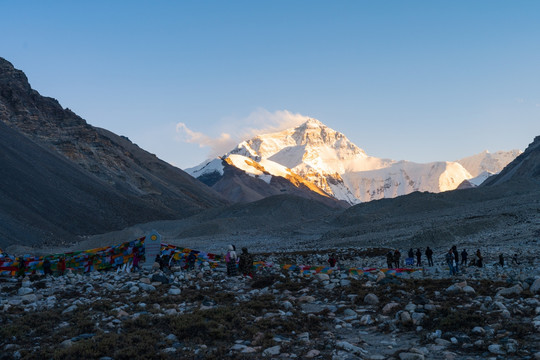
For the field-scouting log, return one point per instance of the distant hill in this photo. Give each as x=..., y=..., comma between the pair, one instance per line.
x=63, y=178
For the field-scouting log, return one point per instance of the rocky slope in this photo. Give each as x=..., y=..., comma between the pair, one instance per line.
x=65, y=170
x=526, y=167
x=240, y=179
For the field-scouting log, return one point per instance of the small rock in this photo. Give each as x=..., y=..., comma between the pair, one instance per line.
x=388, y=308
x=410, y=356
x=496, y=349
x=366, y=320
x=371, y=299
x=349, y=347
x=147, y=287
x=274, y=350
x=514, y=290
x=322, y=277
x=312, y=353
x=405, y=317
x=70, y=309
x=25, y=291
x=478, y=330
x=174, y=291
x=66, y=343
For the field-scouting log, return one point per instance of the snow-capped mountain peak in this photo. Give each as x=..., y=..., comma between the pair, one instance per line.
x=488, y=162
x=330, y=161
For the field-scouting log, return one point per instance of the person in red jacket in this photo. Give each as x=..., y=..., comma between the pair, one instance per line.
x=61, y=266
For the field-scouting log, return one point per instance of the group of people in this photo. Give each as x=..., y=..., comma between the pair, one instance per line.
x=452, y=257
x=165, y=262
x=47, y=267
x=393, y=258
x=242, y=264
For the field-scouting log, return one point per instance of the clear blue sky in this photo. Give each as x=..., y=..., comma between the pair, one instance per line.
x=414, y=80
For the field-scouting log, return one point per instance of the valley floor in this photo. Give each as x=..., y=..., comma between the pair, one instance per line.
x=492, y=312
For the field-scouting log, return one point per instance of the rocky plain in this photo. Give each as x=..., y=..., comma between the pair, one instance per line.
x=482, y=313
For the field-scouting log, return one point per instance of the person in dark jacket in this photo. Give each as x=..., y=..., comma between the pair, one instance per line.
x=389, y=259
x=418, y=257
x=245, y=263
x=429, y=255
x=332, y=260
x=47, y=267
x=21, y=269
x=397, y=256
x=191, y=260
x=479, y=258
x=464, y=256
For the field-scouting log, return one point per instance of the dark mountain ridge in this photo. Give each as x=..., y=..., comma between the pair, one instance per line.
x=525, y=166
x=239, y=187
x=66, y=178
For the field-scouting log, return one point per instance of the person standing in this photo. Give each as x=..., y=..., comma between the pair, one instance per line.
x=230, y=260
x=245, y=263
x=136, y=259
x=191, y=258
x=479, y=258
x=501, y=259
x=429, y=255
x=47, y=267
x=450, y=261
x=464, y=256
x=456, y=258
x=418, y=257
x=389, y=259
x=61, y=267
x=21, y=269
x=332, y=260
x=397, y=256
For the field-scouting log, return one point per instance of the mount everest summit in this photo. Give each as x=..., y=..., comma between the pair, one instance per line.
x=317, y=158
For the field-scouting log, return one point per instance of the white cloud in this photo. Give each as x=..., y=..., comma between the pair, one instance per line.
x=258, y=122
x=263, y=121
x=216, y=144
